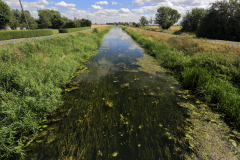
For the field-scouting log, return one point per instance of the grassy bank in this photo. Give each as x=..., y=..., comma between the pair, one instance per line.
x=212, y=71
x=31, y=76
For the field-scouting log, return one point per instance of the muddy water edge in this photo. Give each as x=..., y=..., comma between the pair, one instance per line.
x=123, y=105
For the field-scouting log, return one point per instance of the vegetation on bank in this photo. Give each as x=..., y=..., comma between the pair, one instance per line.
x=6, y=35
x=31, y=77
x=68, y=30
x=213, y=72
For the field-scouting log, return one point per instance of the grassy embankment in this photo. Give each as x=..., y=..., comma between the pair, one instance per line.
x=172, y=30
x=212, y=70
x=31, y=77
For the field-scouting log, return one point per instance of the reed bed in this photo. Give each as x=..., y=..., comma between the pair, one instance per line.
x=31, y=79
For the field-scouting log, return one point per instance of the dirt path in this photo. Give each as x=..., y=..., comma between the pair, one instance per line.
x=23, y=39
x=211, y=40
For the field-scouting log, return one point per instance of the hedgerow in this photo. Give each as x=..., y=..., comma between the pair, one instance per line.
x=6, y=35
x=68, y=30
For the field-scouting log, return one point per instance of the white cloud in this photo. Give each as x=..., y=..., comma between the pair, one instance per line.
x=96, y=7
x=43, y=2
x=114, y=3
x=141, y=2
x=65, y=5
x=137, y=10
x=124, y=10
x=51, y=2
x=102, y=2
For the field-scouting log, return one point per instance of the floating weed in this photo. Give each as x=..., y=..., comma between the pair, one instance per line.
x=139, y=145
x=115, y=154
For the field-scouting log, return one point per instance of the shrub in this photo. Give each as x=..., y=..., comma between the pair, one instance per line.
x=95, y=30
x=5, y=35
x=68, y=30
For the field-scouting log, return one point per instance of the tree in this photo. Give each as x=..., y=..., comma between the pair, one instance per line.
x=138, y=25
x=45, y=17
x=17, y=14
x=31, y=21
x=56, y=19
x=192, y=20
x=143, y=20
x=5, y=14
x=150, y=21
x=13, y=22
x=166, y=17
x=126, y=24
x=222, y=21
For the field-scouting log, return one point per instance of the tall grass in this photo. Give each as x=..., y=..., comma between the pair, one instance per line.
x=211, y=74
x=31, y=76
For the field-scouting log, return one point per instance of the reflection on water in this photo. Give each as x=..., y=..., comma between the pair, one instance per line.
x=125, y=108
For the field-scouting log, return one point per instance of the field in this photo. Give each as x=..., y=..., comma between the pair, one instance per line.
x=98, y=26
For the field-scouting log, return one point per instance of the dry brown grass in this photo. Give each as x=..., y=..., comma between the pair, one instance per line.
x=188, y=44
x=98, y=26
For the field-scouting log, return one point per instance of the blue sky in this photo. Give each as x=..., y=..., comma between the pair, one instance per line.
x=108, y=11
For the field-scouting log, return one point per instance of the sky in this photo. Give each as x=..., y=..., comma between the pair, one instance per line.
x=108, y=11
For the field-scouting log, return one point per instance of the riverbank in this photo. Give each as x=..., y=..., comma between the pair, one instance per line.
x=210, y=72
x=31, y=80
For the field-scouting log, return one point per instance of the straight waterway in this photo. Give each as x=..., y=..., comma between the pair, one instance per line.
x=123, y=106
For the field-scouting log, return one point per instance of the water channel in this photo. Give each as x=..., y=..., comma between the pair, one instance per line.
x=125, y=108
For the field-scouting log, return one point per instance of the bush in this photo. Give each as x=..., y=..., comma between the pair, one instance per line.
x=5, y=35
x=95, y=30
x=68, y=30
x=55, y=31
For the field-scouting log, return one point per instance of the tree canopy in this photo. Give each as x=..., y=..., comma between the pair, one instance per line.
x=222, y=21
x=5, y=14
x=45, y=17
x=166, y=17
x=191, y=20
x=31, y=21
x=143, y=20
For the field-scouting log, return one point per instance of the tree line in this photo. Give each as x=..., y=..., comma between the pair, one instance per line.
x=47, y=19
x=220, y=21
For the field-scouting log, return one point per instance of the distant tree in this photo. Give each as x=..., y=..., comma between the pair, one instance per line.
x=222, y=21
x=191, y=20
x=134, y=23
x=126, y=24
x=138, y=25
x=13, y=22
x=31, y=21
x=143, y=20
x=150, y=21
x=17, y=14
x=5, y=14
x=56, y=20
x=166, y=17
x=45, y=17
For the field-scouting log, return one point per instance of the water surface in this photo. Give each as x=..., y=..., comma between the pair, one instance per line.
x=125, y=108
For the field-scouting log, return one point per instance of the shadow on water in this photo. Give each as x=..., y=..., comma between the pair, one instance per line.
x=125, y=108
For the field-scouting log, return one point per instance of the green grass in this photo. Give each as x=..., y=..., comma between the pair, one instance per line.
x=68, y=30
x=212, y=75
x=31, y=77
